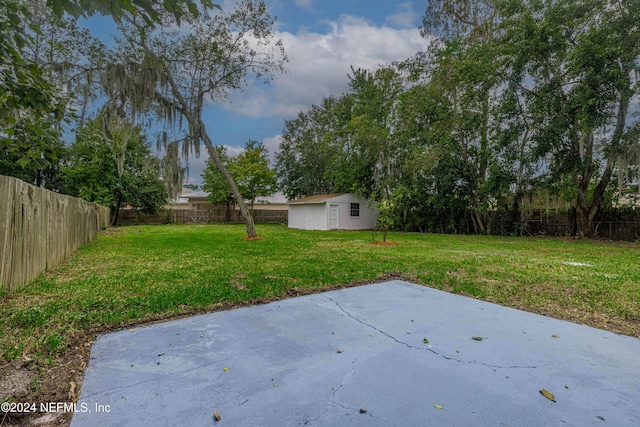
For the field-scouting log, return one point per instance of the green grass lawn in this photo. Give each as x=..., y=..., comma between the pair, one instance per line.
x=135, y=274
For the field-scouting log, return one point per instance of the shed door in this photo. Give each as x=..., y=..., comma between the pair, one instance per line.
x=333, y=217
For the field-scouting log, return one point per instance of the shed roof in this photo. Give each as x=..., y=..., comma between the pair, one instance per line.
x=319, y=198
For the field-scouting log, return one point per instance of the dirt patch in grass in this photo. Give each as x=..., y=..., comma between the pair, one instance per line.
x=384, y=244
x=38, y=383
x=16, y=380
x=252, y=238
x=237, y=282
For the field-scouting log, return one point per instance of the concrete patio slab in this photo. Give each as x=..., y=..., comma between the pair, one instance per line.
x=391, y=353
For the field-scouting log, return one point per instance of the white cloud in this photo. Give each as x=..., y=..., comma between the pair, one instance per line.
x=405, y=17
x=197, y=165
x=233, y=151
x=318, y=67
x=320, y=63
x=272, y=144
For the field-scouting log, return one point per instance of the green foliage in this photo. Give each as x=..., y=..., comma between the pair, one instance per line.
x=345, y=144
x=214, y=183
x=386, y=218
x=46, y=175
x=318, y=155
x=573, y=65
x=250, y=170
x=515, y=97
x=115, y=170
x=31, y=107
x=373, y=126
x=49, y=62
x=471, y=19
x=170, y=73
x=118, y=8
x=70, y=57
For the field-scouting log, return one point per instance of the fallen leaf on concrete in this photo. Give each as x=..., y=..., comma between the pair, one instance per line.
x=426, y=341
x=217, y=416
x=437, y=406
x=555, y=336
x=477, y=338
x=548, y=395
x=339, y=351
x=362, y=410
x=225, y=369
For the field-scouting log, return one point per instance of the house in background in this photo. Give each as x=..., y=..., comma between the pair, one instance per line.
x=194, y=208
x=194, y=200
x=198, y=200
x=342, y=211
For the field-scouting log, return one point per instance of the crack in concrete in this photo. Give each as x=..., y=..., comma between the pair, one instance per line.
x=332, y=402
x=367, y=413
x=333, y=394
x=413, y=347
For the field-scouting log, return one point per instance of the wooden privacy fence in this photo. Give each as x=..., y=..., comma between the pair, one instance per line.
x=202, y=216
x=39, y=228
x=195, y=216
x=608, y=225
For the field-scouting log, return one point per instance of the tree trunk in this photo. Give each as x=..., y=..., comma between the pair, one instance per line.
x=117, y=213
x=583, y=223
x=484, y=139
x=516, y=212
x=479, y=223
x=482, y=226
x=194, y=118
x=598, y=192
x=246, y=215
x=586, y=212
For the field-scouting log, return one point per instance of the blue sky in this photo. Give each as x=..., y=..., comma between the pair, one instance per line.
x=322, y=39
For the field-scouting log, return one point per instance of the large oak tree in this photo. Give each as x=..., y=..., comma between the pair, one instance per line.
x=173, y=72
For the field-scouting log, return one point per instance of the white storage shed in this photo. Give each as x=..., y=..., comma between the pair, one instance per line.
x=342, y=211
